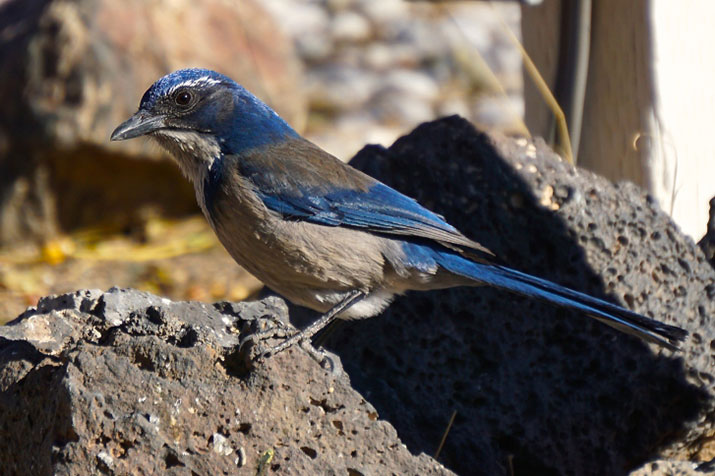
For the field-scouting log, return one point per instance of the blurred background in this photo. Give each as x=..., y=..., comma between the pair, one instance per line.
x=79, y=212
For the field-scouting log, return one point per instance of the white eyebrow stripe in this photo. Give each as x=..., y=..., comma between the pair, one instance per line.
x=202, y=81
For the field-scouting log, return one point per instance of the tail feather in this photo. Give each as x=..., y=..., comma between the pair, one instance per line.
x=611, y=314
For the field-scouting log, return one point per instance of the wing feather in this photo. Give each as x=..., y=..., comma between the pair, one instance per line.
x=302, y=182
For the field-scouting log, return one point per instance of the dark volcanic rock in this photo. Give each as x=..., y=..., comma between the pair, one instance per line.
x=536, y=387
x=125, y=382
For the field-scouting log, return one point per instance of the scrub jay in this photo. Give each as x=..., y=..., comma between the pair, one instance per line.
x=315, y=230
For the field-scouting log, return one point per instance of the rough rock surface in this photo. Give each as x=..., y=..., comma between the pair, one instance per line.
x=671, y=468
x=535, y=387
x=73, y=70
x=125, y=382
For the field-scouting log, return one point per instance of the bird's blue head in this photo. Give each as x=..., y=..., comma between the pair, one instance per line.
x=199, y=111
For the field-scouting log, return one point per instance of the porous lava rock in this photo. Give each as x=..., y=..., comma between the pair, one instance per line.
x=125, y=382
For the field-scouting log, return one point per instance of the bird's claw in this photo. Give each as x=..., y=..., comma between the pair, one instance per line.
x=252, y=351
x=319, y=355
x=249, y=346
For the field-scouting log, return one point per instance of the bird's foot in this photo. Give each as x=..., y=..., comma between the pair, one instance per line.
x=253, y=352
x=250, y=347
x=321, y=357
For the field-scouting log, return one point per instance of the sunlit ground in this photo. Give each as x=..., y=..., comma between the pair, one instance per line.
x=181, y=260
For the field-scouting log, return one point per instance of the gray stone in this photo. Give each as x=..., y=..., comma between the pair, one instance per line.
x=384, y=12
x=350, y=26
x=299, y=18
x=307, y=23
x=405, y=97
x=400, y=107
x=379, y=56
x=340, y=88
x=314, y=48
x=413, y=83
x=125, y=382
x=499, y=110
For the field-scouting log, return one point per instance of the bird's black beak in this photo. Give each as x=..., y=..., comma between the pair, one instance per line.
x=139, y=124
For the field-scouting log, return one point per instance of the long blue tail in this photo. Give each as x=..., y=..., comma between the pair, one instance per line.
x=521, y=283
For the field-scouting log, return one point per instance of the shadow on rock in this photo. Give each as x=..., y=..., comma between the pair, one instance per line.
x=537, y=388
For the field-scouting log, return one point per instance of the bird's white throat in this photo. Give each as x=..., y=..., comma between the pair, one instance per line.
x=195, y=153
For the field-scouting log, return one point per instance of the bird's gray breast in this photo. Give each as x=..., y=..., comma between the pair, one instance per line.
x=303, y=261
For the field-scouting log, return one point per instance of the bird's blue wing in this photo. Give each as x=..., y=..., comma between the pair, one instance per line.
x=379, y=208
x=302, y=182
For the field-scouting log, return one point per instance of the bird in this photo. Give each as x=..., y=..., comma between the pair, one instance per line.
x=317, y=231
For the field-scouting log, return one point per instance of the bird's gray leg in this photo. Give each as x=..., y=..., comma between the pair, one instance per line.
x=316, y=326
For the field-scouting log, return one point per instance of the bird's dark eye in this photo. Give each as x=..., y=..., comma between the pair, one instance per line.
x=183, y=98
